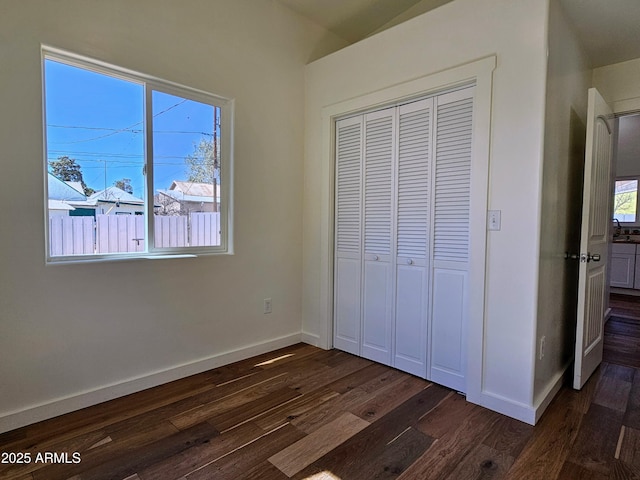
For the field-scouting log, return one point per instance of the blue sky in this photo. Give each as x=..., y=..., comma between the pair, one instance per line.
x=98, y=120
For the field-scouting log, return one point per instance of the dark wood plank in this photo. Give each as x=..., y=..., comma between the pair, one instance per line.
x=595, y=445
x=264, y=471
x=312, y=447
x=129, y=462
x=351, y=400
x=370, y=444
x=447, y=453
x=249, y=411
x=632, y=413
x=545, y=453
x=622, y=471
x=292, y=410
x=360, y=377
x=482, y=463
x=201, y=455
x=571, y=470
x=613, y=390
x=629, y=447
x=396, y=393
x=509, y=436
x=245, y=459
x=381, y=459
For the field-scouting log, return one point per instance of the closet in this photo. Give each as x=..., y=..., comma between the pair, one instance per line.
x=402, y=202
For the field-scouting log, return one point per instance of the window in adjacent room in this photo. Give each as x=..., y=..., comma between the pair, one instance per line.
x=134, y=166
x=625, y=200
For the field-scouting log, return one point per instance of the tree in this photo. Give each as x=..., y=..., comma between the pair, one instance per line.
x=624, y=202
x=69, y=170
x=203, y=164
x=124, y=184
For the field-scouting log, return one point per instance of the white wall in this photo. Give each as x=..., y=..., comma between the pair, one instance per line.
x=568, y=79
x=61, y=336
x=454, y=34
x=619, y=84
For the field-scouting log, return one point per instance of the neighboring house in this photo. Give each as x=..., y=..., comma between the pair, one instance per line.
x=183, y=198
x=115, y=201
x=62, y=195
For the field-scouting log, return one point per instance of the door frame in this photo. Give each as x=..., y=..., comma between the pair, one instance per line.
x=479, y=72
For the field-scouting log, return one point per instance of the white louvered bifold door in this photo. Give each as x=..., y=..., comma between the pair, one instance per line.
x=452, y=193
x=377, y=293
x=348, y=244
x=413, y=231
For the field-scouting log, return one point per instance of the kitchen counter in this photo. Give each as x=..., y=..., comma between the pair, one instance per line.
x=625, y=240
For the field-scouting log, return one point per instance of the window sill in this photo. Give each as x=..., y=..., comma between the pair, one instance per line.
x=121, y=258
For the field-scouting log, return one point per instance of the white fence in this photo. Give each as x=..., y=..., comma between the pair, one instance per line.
x=125, y=233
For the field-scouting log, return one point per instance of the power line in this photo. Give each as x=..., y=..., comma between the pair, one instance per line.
x=122, y=130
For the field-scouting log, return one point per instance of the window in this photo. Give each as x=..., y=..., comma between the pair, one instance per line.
x=625, y=200
x=135, y=166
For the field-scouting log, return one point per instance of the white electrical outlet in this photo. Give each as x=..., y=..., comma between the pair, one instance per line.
x=267, y=305
x=543, y=340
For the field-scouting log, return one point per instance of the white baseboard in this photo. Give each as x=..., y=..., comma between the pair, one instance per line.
x=60, y=406
x=311, y=339
x=550, y=392
x=520, y=411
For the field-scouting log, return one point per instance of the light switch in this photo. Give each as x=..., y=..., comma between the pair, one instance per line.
x=495, y=220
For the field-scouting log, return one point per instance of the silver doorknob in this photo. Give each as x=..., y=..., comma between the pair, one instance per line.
x=583, y=257
x=375, y=257
x=594, y=258
x=409, y=261
x=587, y=257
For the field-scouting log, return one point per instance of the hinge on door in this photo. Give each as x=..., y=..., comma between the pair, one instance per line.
x=144, y=170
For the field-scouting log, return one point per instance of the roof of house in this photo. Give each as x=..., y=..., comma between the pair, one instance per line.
x=182, y=197
x=60, y=190
x=59, y=205
x=194, y=188
x=75, y=185
x=114, y=194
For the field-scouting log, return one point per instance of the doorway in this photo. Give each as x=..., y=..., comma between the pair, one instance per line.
x=622, y=329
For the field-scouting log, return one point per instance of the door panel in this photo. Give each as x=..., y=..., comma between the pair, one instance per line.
x=413, y=219
x=379, y=152
x=411, y=320
x=451, y=239
x=594, y=240
x=376, y=328
x=347, y=305
x=448, y=326
x=348, y=243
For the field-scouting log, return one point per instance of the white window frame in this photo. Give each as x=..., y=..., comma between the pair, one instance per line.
x=151, y=84
x=622, y=179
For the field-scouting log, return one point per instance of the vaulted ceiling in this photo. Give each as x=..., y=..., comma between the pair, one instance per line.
x=354, y=20
x=609, y=29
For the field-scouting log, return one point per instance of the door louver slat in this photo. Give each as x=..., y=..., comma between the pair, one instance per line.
x=348, y=187
x=413, y=183
x=453, y=181
x=377, y=181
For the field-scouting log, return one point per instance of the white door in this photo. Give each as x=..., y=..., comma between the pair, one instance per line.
x=348, y=267
x=451, y=237
x=594, y=240
x=377, y=298
x=412, y=240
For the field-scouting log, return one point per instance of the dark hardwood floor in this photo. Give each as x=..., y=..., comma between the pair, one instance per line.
x=622, y=331
x=305, y=413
